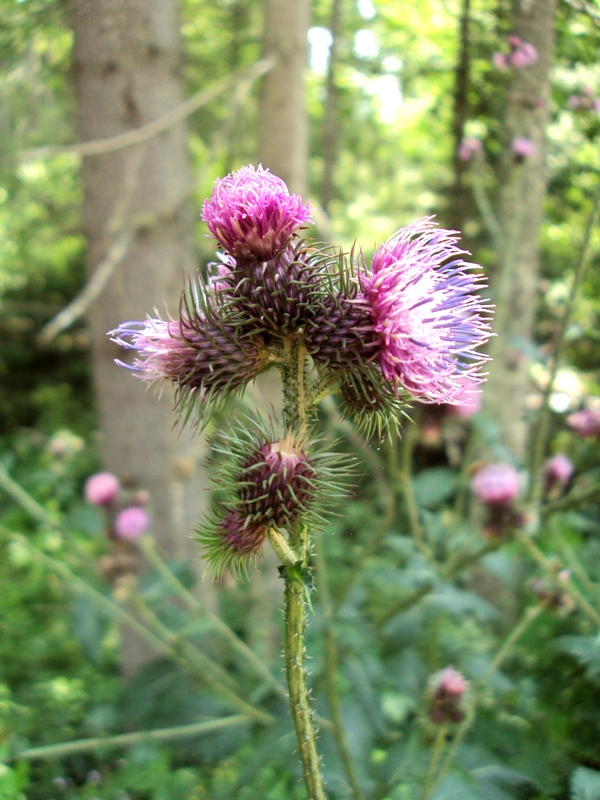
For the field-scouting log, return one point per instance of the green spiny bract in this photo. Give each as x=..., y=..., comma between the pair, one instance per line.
x=268, y=481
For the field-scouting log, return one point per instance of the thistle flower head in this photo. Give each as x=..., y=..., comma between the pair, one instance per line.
x=497, y=485
x=131, y=523
x=426, y=313
x=558, y=471
x=585, y=422
x=523, y=147
x=252, y=214
x=200, y=353
x=271, y=481
x=446, y=696
x=102, y=488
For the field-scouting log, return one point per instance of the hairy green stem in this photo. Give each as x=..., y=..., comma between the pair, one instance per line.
x=63, y=749
x=436, y=753
x=295, y=413
x=295, y=621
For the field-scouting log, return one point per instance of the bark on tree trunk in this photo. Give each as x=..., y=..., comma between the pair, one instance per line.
x=283, y=126
x=126, y=71
x=515, y=284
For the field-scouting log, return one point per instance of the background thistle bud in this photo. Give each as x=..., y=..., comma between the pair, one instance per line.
x=446, y=696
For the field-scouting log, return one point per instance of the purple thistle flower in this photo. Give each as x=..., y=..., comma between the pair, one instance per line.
x=252, y=214
x=102, y=488
x=523, y=147
x=469, y=148
x=497, y=485
x=425, y=311
x=585, y=422
x=559, y=469
x=201, y=354
x=131, y=523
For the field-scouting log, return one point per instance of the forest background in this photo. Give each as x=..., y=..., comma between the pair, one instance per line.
x=123, y=679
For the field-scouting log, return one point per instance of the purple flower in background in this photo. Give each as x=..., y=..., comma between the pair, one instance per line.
x=131, y=523
x=468, y=403
x=500, y=60
x=102, y=488
x=522, y=54
x=523, y=147
x=497, y=485
x=251, y=213
x=557, y=471
x=585, y=422
x=469, y=148
x=446, y=696
x=425, y=309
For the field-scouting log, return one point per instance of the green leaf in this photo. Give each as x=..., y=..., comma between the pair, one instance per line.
x=586, y=649
x=585, y=784
x=433, y=486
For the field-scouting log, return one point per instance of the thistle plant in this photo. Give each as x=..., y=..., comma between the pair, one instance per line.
x=408, y=324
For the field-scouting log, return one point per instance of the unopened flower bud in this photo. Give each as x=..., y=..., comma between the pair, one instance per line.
x=446, y=696
x=102, y=488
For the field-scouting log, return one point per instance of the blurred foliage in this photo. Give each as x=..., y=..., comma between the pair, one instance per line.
x=400, y=612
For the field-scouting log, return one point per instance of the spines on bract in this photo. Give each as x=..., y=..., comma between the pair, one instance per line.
x=267, y=480
x=369, y=402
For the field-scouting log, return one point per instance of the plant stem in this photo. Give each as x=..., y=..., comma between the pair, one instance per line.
x=541, y=436
x=331, y=662
x=293, y=374
x=436, y=753
x=194, y=605
x=162, y=641
x=127, y=739
x=295, y=621
x=583, y=603
x=410, y=502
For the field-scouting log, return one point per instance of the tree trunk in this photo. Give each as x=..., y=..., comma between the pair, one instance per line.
x=331, y=125
x=515, y=284
x=126, y=70
x=283, y=126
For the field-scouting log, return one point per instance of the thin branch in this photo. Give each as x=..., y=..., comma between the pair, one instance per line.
x=127, y=739
x=142, y=134
x=121, y=233
x=541, y=437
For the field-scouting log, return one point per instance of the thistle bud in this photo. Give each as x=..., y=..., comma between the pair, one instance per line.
x=273, y=484
x=446, y=696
